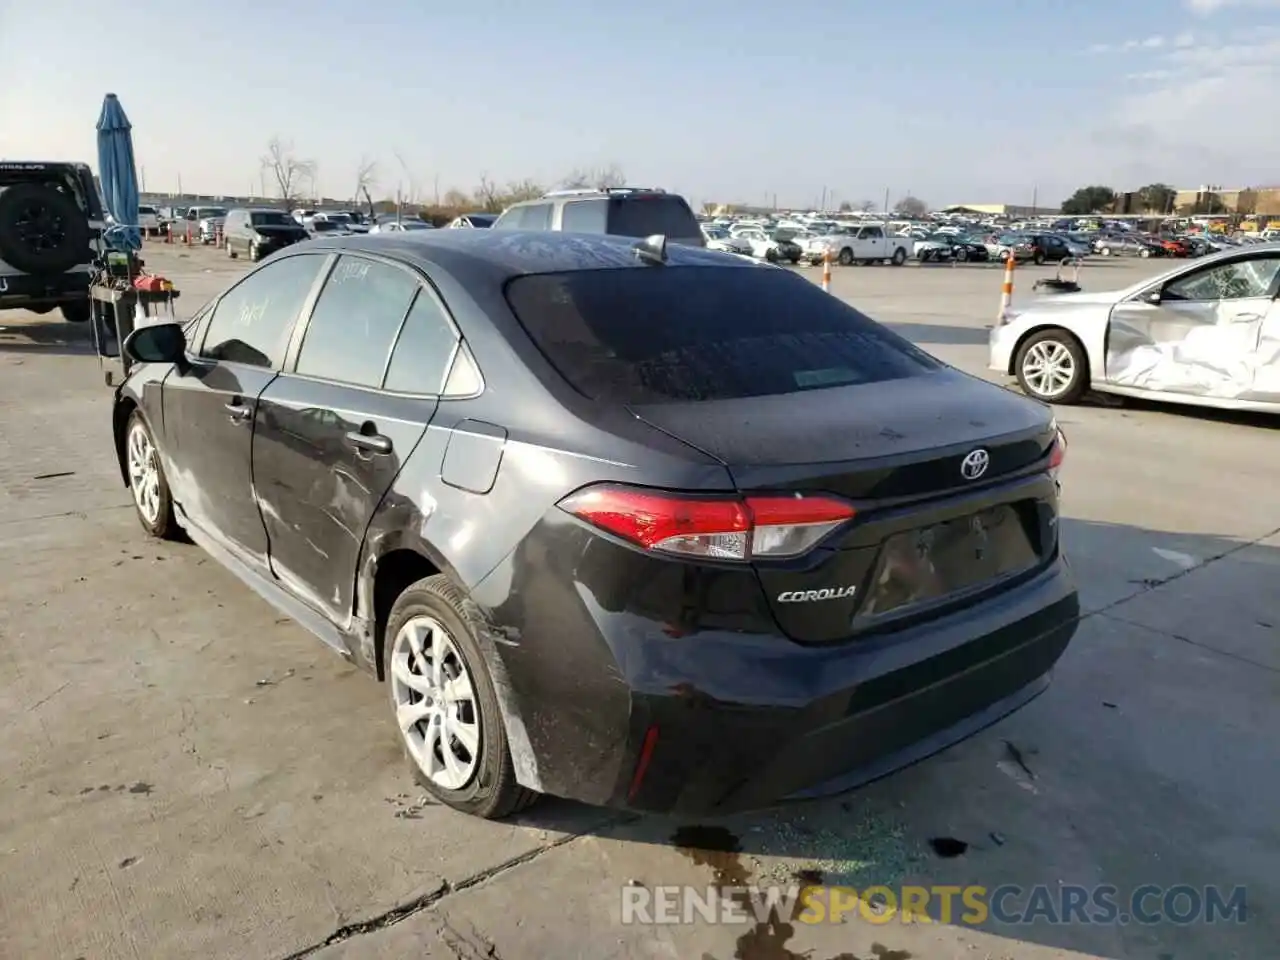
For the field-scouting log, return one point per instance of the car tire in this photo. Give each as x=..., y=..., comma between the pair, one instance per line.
x=60, y=248
x=76, y=311
x=1057, y=348
x=961, y=255
x=1104, y=251
x=1038, y=258
x=845, y=259
x=899, y=257
x=231, y=254
x=924, y=256
x=254, y=253
x=490, y=789
x=1144, y=253
x=147, y=482
x=40, y=308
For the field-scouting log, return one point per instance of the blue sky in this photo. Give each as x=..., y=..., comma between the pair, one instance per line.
x=729, y=100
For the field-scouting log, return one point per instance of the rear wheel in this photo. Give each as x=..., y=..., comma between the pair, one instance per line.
x=445, y=705
x=1051, y=366
x=899, y=257
x=1038, y=258
x=76, y=311
x=961, y=255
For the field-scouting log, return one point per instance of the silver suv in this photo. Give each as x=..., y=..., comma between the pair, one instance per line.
x=621, y=211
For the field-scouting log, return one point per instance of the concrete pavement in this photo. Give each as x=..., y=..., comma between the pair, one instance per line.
x=185, y=774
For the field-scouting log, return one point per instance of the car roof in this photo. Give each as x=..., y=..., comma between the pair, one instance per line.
x=511, y=253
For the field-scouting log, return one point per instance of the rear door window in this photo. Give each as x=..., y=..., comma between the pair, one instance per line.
x=647, y=214
x=355, y=321
x=644, y=335
x=423, y=351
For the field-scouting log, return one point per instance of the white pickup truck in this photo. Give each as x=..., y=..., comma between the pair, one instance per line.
x=860, y=244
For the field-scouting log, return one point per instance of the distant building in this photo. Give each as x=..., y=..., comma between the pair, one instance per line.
x=997, y=210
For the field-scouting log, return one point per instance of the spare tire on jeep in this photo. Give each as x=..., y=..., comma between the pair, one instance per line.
x=42, y=230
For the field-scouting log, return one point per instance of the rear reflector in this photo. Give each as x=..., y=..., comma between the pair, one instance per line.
x=717, y=528
x=642, y=764
x=1058, y=452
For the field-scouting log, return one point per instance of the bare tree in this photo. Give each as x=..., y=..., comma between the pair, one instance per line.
x=586, y=178
x=488, y=195
x=911, y=207
x=525, y=189
x=412, y=196
x=366, y=177
x=610, y=176
x=866, y=206
x=288, y=172
x=455, y=199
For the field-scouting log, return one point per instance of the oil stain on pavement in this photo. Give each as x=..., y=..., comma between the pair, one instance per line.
x=719, y=849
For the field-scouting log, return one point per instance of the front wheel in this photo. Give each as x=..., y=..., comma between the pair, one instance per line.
x=445, y=705
x=1051, y=366
x=147, y=482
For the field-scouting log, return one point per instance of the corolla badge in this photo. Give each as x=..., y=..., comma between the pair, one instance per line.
x=975, y=464
x=808, y=596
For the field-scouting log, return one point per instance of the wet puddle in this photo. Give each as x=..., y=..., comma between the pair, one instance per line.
x=719, y=849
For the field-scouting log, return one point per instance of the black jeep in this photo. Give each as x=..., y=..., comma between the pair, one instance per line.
x=50, y=234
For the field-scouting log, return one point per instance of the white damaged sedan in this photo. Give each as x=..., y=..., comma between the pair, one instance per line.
x=1206, y=332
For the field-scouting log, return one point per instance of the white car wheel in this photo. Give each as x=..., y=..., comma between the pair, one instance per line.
x=1051, y=366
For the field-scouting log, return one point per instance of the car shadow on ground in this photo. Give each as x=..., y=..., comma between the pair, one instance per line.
x=1112, y=778
x=27, y=333
x=1243, y=418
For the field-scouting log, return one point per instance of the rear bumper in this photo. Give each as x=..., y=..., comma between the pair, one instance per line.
x=722, y=712
x=874, y=711
x=25, y=290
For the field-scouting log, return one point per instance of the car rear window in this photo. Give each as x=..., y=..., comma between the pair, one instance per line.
x=671, y=334
x=647, y=214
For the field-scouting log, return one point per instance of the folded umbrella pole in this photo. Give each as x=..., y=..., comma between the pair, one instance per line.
x=117, y=172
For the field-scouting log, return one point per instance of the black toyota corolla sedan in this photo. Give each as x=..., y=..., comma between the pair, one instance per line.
x=640, y=525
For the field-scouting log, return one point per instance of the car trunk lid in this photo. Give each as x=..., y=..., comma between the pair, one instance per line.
x=947, y=474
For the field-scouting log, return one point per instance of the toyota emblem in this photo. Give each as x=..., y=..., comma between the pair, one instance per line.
x=975, y=464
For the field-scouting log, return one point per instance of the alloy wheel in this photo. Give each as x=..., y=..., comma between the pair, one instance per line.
x=1049, y=368
x=435, y=701
x=144, y=473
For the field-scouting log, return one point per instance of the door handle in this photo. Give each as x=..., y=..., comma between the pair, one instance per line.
x=1246, y=317
x=237, y=411
x=372, y=442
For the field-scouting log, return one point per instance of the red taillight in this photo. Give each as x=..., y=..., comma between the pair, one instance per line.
x=1057, y=452
x=718, y=528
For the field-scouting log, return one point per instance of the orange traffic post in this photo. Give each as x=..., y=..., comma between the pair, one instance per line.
x=1006, y=293
x=826, y=272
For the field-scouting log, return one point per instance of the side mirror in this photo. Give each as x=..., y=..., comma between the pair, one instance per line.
x=1153, y=297
x=157, y=343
